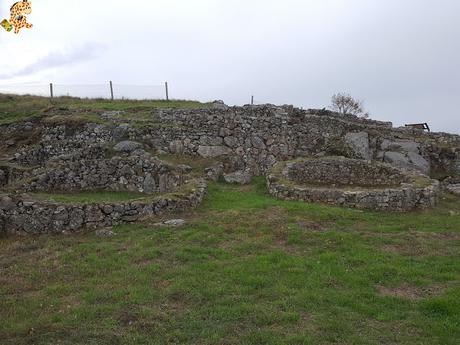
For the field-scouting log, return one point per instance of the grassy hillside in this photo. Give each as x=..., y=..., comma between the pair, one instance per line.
x=245, y=269
x=16, y=108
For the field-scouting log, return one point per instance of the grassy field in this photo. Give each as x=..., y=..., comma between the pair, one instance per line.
x=88, y=197
x=16, y=108
x=245, y=269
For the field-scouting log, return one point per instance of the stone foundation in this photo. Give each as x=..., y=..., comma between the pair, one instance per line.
x=392, y=190
x=163, y=187
x=142, y=174
x=23, y=214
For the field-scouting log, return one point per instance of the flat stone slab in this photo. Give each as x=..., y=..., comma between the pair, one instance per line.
x=171, y=223
x=127, y=146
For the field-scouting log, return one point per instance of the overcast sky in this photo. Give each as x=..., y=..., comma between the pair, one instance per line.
x=402, y=57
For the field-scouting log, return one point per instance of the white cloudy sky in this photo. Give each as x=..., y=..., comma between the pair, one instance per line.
x=402, y=57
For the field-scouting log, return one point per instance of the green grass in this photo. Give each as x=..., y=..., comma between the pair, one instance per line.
x=15, y=108
x=89, y=197
x=245, y=269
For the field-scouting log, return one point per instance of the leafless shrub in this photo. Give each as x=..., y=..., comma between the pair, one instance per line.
x=345, y=104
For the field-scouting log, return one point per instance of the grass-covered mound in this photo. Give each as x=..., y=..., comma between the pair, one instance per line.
x=14, y=108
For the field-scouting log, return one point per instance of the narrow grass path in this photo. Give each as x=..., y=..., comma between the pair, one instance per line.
x=246, y=269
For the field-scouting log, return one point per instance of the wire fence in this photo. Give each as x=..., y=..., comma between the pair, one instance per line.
x=108, y=91
x=105, y=91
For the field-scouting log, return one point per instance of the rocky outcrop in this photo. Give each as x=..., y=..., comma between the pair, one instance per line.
x=359, y=143
x=405, y=154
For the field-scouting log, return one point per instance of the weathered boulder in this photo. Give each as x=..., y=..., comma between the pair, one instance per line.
x=149, y=185
x=213, y=151
x=409, y=161
x=359, y=143
x=258, y=143
x=231, y=141
x=127, y=146
x=419, y=163
x=238, y=177
x=400, y=146
x=215, y=172
x=175, y=222
x=218, y=104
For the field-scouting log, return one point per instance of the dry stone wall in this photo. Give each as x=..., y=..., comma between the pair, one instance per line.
x=336, y=171
x=413, y=192
x=255, y=138
x=135, y=174
x=21, y=214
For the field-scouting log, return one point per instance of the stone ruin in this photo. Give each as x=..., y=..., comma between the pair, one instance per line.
x=352, y=183
x=161, y=188
x=385, y=168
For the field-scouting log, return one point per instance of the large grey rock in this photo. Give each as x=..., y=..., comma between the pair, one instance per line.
x=127, y=146
x=397, y=159
x=409, y=161
x=149, y=184
x=400, y=145
x=215, y=172
x=213, y=151
x=218, y=104
x=359, y=143
x=175, y=222
x=238, y=177
x=121, y=132
x=258, y=143
x=231, y=141
x=419, y=163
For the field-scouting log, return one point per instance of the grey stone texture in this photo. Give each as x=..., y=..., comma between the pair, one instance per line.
x=127, y=146
x=22, y=214
x=251, y=139
x=134, y=174
x=259, y=136
x=238, y=177
x=408, y=195
x=341, y=171
x=359, y=143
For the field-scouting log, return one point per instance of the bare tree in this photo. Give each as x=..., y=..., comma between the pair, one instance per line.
x=345, y=104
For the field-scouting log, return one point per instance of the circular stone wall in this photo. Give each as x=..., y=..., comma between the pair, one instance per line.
x=162, y=187
x=351, y=183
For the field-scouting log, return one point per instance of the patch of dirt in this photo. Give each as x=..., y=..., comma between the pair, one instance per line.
x=409, y=292
x=410, y=249
x=313, y=226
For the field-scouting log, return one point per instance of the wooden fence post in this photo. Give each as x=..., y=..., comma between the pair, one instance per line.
x=111, y=90
x=252, y=100
x=51, y=91
x=167, y=91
